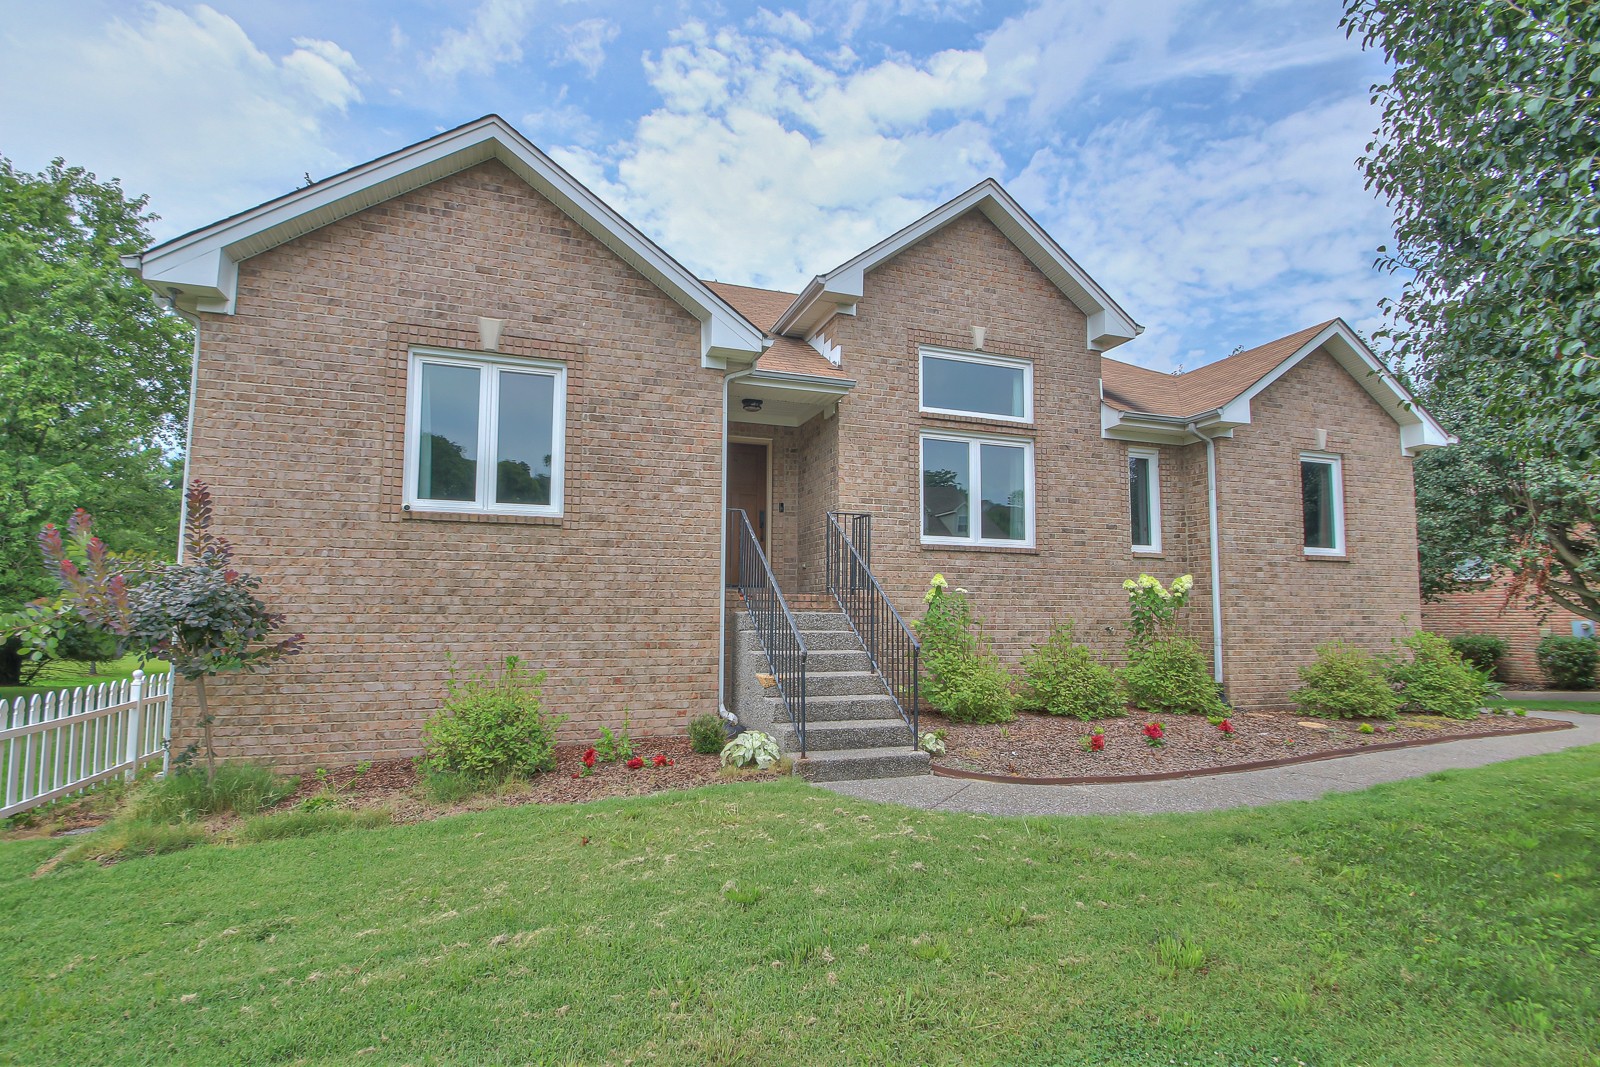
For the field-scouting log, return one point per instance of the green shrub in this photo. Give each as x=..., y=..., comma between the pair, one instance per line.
x=491, y=725
x=1170, y=674
x=964, y=678
x=1568, y=662
x=1062, y=678
x=614, y=746
x=302, y=823
x=1345, y=682
x=240, y=788
x=1434, y=679
x=1483, y=651
x=707, y=735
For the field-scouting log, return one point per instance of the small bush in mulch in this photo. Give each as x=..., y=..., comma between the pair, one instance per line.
x=1063, y=678
x=1568, y=662
x=491, y=725
x=707, y=735
x=1345, y=682
x=1170, y=675
x=1434, y=678
x=963, y=677
x=1483, y=651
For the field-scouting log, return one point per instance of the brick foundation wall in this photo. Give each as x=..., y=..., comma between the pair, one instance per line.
x=1485, y=610
x=299, y=429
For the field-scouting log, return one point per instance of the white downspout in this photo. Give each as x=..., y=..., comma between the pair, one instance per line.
x=188, y=430
x=1216, y=553
x=722, y=571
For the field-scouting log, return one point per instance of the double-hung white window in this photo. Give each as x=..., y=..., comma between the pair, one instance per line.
x=977, y=490
x=1322, y=503
x=1144, y=499
x=983, y=386
x=484, y=434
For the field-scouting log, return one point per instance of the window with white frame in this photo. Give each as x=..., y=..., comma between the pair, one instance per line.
x=1144, y=499
x=966, y=383
x=977, y=490
x=1322, y=503
x=485, y=434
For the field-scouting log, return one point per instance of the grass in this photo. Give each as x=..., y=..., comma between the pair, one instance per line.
x=1588, y=707
x=69, y=674
x=1444, y=920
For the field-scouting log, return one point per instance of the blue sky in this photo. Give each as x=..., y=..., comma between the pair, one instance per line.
x=1197, y=158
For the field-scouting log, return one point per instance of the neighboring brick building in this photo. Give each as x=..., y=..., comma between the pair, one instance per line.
x=450, y=403
x=1484, y=608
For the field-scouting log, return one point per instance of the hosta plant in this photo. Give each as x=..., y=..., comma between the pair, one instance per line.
x=751, y=747
x=932, y=742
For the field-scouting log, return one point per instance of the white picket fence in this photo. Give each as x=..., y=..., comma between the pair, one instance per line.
x=58, y=743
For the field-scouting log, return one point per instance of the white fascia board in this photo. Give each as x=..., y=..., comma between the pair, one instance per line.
x=202, y=265
x=1418, y=429
x=808, y=383
x=1109, y=324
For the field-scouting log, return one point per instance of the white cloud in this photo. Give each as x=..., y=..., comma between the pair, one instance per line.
x=182, y=104
x=783, y=24
x=494, y=36
x=586, y=43
x=1268, y=229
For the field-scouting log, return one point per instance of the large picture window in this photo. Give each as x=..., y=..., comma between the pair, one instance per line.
x=977, y=490
x=1322, y=503
x=485, y=434
x=1144, y=499
x=990, y=387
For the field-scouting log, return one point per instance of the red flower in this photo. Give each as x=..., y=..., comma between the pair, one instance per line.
x=1153, y=731
x=1097, y=742
x=659, y=760
x=1225, y=726
x=635, y=763
x=589, y=757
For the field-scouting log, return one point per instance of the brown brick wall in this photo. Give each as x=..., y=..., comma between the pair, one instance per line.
x=969, y=275
x=1279, y=603
x=1485, y=610
x=299, y=418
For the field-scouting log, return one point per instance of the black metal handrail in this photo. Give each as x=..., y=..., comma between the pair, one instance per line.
x=774, y=623
x=891, y=645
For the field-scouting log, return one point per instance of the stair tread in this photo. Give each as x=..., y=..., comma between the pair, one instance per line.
x=837, y=754
x=841, y=725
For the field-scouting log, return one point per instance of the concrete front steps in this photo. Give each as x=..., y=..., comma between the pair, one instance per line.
x=853, y=728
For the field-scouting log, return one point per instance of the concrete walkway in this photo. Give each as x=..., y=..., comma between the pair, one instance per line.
x=1305, y=781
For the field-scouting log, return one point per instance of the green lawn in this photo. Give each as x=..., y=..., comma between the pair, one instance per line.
x=66, y=674
x=1588, y=707
x=1446, y=920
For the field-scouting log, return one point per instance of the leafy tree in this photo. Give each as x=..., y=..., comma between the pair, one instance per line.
x=93, y=374
x=1489, y=153
x=1485, y=507
x=202, y=615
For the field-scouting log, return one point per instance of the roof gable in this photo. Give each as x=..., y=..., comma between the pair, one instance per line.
x=840, y=289
x=1141, y=404
x=199, y=270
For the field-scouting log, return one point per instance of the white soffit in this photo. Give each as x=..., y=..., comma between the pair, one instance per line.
x=200, y=268
x=842, y=287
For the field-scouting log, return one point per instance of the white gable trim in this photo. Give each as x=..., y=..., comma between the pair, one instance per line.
x=200, y=269
x=844, y=286
x=1418, y=429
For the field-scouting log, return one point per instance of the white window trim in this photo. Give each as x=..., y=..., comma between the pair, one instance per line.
x=975, y=496
x=1337, y=463
x=1154, y=457
x=488, y=423
x=1024, y=365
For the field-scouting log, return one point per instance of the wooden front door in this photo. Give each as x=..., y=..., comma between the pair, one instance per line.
x=747, y=489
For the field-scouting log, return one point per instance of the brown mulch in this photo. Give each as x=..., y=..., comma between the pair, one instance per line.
x=396, y=784
x=1047, y=746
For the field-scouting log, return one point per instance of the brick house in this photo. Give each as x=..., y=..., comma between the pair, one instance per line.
x=1487, y=607
x=450, y=402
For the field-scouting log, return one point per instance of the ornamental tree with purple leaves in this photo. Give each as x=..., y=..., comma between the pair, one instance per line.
x=202, y=614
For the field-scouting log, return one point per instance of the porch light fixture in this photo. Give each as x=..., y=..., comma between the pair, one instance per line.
x=750, y=403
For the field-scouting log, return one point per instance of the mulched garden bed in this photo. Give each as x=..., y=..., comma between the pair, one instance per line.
x=1044, y=746
x=396, y=784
